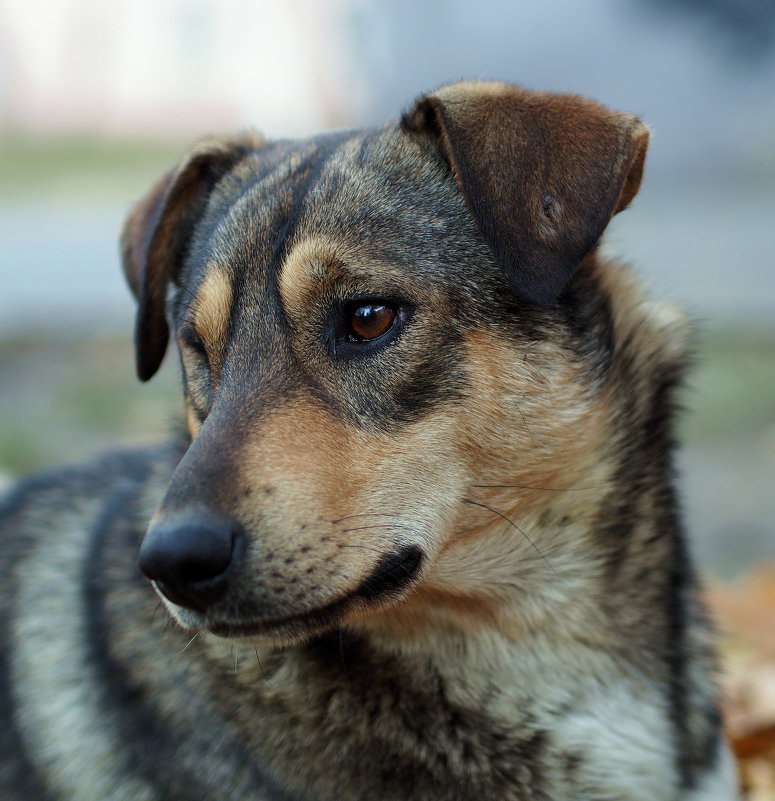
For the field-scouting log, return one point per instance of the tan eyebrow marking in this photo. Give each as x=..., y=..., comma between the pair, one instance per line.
x=192, y=421
x=212, y=311
x=310, y=263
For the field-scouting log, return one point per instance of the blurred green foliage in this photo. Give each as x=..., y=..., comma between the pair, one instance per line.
x=63, y=400
x=87, y=169
x=731, y=388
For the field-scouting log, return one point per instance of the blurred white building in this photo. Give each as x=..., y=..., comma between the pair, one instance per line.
x=288, y=67
x=152, y=67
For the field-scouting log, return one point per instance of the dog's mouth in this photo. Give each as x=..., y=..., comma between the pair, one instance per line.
x=390, y=580
x=303, y=624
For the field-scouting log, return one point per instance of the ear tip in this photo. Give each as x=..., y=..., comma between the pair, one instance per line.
x=150, y=347
x=146, y=368
x=638, y=135
x=638, y=132
x=144, y=372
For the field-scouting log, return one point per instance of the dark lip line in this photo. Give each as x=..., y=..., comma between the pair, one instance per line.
x=382, y=585
x=316, y=618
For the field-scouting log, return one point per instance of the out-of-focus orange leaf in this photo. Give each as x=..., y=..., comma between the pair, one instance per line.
x=746, y=610
x=745, y=614
x=759, y=744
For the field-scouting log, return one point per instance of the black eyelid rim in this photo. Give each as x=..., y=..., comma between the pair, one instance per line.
x=393, y=302
x=188, y=336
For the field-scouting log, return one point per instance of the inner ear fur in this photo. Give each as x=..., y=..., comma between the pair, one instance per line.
x=156, y=233
x=542, y=173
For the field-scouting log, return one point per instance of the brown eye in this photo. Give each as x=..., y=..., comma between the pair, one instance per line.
x=370, y=322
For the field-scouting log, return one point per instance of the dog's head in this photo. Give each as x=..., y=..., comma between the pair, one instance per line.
x=391, y=340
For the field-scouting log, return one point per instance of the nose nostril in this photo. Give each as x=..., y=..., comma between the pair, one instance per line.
x=190, y=559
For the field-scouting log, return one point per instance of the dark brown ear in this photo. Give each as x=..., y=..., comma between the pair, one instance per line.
x=542, y=173
x=156, y=234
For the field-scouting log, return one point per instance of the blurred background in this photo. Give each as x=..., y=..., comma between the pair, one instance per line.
x=98, y=99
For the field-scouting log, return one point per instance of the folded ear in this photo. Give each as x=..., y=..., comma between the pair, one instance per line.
x=156, y=233
x=542, y=173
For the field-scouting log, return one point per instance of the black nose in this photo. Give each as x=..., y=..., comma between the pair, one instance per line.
x=191, y=559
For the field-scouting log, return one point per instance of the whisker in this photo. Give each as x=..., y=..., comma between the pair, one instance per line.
x=189, y=643
x=261, y=667
x=153, y=616
x=520, y=530
x=524, y=422
x=363, y=548
x=531, y=487
x=361, y=514
x=166, y=628
x=380, y=525
x=183, y=291
x=450, y=551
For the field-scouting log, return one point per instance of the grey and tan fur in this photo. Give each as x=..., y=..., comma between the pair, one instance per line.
x=443, y=561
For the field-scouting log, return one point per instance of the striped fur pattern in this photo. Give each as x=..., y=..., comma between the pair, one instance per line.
x=449, y=562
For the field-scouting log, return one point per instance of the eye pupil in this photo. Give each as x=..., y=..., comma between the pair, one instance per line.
x=370, y=322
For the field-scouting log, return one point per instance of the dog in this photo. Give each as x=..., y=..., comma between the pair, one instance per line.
x=418, y=537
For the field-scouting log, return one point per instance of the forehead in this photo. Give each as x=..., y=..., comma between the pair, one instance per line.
x=381, y=201
x=298, y=229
